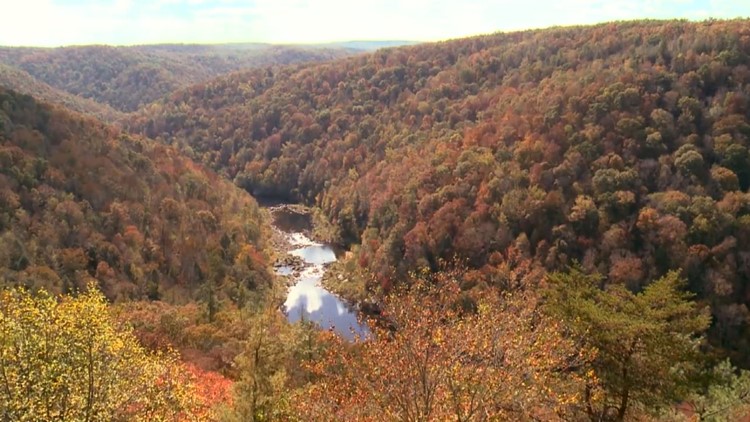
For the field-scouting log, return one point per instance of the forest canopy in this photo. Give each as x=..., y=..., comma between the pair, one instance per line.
x=622, y=146
x=542, y=225
x=124, y=79
x=80, y=200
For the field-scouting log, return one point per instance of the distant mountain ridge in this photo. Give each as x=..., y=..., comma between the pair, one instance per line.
x=127, y=78
x=23, y=82
x=366, y=45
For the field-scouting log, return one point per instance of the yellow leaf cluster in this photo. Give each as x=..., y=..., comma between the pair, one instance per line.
x=65, y=359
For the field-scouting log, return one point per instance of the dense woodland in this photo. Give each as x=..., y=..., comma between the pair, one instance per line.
x=555, y=225
x=82, y=200
x=20, y=81
x=620, y=146
x=127, y=78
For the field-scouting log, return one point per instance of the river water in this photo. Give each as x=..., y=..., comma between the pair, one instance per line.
x=307, y=299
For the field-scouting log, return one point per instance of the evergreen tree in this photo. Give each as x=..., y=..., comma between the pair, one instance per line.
x=647, y=343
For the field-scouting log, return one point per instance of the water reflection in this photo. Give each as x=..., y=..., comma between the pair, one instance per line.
x=315, y=254
x=307, y=299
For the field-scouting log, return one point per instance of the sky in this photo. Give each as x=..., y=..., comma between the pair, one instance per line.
x=126, y=22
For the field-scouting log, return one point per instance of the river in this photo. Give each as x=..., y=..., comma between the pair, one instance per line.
x=307, y=298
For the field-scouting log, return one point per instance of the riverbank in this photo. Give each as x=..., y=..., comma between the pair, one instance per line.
x=311, y=222
x=347, y=280
x=301, y=261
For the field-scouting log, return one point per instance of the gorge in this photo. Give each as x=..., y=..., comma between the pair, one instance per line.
x=307, y=299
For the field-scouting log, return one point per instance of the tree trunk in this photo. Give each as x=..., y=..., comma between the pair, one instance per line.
x=625, y=395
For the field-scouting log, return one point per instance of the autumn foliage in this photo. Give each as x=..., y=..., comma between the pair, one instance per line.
x=442, y=355
x=68, y=360
x=547, y=225
x=623, y=146
x=124, y=79
x=80, y=201
x=211, y=390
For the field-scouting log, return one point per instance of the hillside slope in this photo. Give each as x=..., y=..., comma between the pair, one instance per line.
x=20, y=81
x=80, y=200
x=622, y=146
x=127, y=78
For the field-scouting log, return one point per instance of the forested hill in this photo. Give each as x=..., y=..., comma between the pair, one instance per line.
x=81, y=201
x=622, y=146
x=127, y=78
x=20, y=81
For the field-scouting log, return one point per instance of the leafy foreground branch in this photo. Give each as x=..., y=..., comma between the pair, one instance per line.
x=66, y=360
x=446, y=356
x=581, y=351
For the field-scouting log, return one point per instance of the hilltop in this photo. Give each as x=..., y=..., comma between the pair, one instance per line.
x=622, y=146
x=127, y=78
x=23, y=82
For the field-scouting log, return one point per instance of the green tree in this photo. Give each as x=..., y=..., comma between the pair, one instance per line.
x=689, y=163
x=647, y=342
x=260, y=393
x=727, y=397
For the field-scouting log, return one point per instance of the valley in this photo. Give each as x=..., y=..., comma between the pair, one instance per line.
x=548, y=224
x=304, y=263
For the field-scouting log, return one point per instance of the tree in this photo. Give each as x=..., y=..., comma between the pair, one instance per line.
x=67, y=360
x=647, y=343
x=441, y=355
x=727, y=397
x=259, y=394
x=689, y=163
